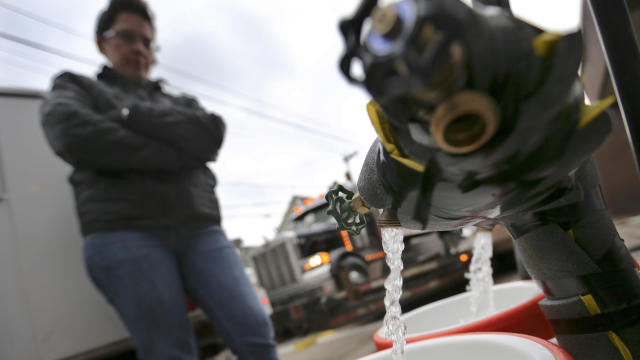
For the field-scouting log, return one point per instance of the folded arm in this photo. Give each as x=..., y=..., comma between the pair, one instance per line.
x=88, y=139
x=184, y=125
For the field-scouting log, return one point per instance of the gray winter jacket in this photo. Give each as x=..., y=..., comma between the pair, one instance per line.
x=139, y=155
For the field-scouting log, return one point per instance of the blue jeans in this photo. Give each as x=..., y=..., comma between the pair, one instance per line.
x=146, y=274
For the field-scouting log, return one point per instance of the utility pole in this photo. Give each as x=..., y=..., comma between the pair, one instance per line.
x=346, y=158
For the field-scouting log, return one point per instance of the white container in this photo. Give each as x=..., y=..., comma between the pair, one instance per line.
x=516, y=311
x=479, y=346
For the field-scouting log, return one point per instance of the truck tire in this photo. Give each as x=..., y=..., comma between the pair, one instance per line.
x=356, y=270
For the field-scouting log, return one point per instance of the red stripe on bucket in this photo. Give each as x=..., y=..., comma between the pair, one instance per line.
x=525, y=318
x=558, y=352
x=554, y=350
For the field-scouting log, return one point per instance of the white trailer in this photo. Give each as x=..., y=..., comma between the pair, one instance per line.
x=48, y=307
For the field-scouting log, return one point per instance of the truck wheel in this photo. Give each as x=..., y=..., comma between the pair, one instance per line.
x=356, y=271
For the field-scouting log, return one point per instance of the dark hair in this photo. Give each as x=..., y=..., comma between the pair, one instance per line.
x=108, y=16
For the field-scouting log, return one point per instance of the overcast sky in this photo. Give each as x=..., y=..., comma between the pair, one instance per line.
x=269, y=68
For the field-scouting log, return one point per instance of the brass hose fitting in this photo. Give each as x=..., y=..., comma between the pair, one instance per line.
x=389, y=218
x=465, y=122
x=358, y=204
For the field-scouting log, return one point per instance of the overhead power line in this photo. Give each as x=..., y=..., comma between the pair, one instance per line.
x=50, y=69
x=43, y=20
x=49, y=49
x=219, y=86
x=269, y=117
x=27, y=63
x=169, y=68
x=29, y=69
x=262, y=115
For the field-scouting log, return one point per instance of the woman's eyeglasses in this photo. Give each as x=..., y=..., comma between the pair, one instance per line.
x=131, y=38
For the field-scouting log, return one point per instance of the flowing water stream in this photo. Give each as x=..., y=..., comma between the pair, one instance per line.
x=392, y=243
x=480, y=276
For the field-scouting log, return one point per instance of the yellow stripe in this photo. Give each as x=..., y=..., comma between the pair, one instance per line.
x=591, y=304
x=624, y=350
x=571, y=235
x=594, y=309
x=311, y=340
x=589, y=112
x=382, y=127
x=543, y=43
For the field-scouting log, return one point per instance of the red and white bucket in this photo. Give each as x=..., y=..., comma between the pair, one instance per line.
x=516, y=311
x=480, y=346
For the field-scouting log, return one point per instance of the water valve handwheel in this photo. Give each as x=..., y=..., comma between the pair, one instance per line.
x=339, y=199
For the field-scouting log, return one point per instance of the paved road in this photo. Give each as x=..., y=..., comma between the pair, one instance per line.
x=350, y=342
